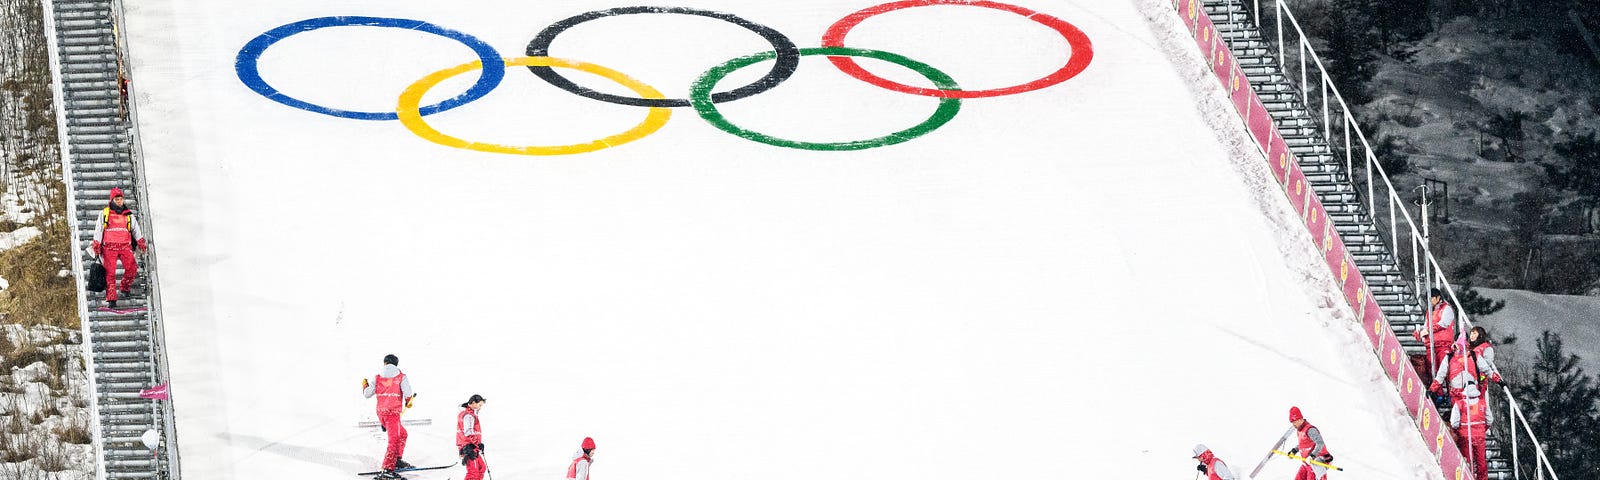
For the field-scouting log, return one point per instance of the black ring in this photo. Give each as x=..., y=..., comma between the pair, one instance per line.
x=788, y=57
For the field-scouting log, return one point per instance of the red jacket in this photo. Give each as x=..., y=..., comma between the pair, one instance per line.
x=1212, y=464
x=1442, y=334
x=1471, y=418
x=579, y=470
x=390, y=398
x=468, y=428
x=1308, y=443
x=117, y=227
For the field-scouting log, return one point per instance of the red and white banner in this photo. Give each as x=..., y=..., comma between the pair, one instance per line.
x=158, y=392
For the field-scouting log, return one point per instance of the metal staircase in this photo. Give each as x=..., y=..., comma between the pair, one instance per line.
x=1307, y=128
x=126, y=353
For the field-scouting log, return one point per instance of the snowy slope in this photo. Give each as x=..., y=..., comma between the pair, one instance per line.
x=1075, y=281
x=1527, y=315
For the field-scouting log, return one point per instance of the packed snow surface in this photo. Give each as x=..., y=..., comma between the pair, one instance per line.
x=1528, y=315
x=1074, y=282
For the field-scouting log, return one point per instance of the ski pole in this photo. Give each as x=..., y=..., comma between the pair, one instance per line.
x=1307, y=460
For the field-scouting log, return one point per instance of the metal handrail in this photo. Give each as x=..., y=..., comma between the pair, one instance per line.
x=1426, y=273
x=157, y=327
x=1542, y=461
x=57, y=86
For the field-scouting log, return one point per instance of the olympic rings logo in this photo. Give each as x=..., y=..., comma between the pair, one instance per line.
x=703, y=97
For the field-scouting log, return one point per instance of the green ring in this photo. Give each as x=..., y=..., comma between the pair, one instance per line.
x=700, y=97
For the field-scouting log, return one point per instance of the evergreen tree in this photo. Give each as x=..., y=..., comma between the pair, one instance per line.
x=1507, y=127
x=1559, y=401
x=1351, y=39
x=1400, y=21
x=1582, y=175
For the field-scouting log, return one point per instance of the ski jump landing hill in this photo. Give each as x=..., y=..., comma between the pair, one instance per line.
x=802, y=257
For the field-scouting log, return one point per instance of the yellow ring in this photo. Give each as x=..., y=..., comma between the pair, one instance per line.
x=411, y=116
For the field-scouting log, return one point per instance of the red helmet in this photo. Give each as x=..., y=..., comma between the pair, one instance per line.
x=588, y=443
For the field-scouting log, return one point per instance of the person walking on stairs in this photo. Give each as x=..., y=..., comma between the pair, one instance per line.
x=1311, y=447
x=579, y=469
x=115, y=234
x=469, y=438
x=394, y=394
x=1471, y=419
x=1471, y=361
x=1482, y=350
x=1211, y=466
x=1440, y=331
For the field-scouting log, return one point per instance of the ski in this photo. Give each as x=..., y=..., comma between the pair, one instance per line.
x=408, y=423
x=404, y=470
x=1307, y=460
x=1275, y=448
x=123, y=311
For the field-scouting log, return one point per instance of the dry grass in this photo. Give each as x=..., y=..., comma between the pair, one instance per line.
x=44, y=413
x=16, y=451
x=9, y=384
x=22, y=471
x=75, y=432
x=15, y=421
x=50, y=458
x=37, y=295
x=27, y=352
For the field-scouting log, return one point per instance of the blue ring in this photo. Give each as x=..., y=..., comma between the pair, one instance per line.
x=250, y=73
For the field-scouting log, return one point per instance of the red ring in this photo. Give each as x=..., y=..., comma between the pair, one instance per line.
x=1082, y=49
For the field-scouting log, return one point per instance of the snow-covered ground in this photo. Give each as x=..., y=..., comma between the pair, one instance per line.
x=1527, y=315
x=13, y=239
x=44, y=409
x=1077, y=282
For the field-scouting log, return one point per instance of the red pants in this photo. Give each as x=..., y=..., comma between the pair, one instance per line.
x=112, y=253
x=1474, y=450
x=475, y=468
x=1441, y=352
x=397, y=438
x=1311, y=472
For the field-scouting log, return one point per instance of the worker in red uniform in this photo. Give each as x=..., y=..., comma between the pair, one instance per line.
x=469, y=438
x=1471, y=419
x=1212, y=466
x=115, y=234
x=394, y=394
x=579, y=469
x=1311, y=447
x=1471, y=361
x=1440, y=331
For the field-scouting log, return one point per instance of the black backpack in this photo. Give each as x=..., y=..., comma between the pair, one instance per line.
x=97, y=278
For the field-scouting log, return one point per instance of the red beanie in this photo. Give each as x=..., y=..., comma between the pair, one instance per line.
x=1294, y=414
x=116, y=192
x=588, y=443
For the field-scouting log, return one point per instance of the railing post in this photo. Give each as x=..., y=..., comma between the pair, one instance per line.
x=1348, y=173
x=1305, y=86
x=1424, y=203
x=1277, y=10
x=1326, y=126
x=1516, y=464
x=1394, y=230
x=1416, y=275
x=1372, y=161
